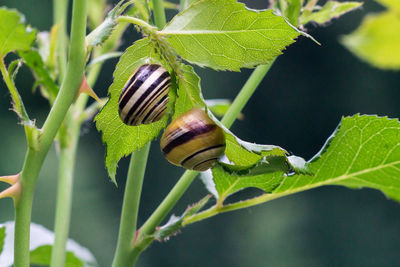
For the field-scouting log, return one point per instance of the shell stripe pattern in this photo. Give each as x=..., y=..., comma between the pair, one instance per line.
x=195, y=145
x=144, y=98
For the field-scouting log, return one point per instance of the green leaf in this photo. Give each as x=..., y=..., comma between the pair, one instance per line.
x=121, y=139
x=225, y=35
x=377, y=40
x=331, y=10
x=228, y=179
x=243, y=153
x=102, y=32
x=227, y=183
x=34, y=61
x=14, y=35
x=2, y=237
x=189, y=94
x=42, y=256
x=364, y=151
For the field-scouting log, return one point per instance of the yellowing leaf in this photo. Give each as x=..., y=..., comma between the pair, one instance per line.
x=393, y=5
x=377, y=40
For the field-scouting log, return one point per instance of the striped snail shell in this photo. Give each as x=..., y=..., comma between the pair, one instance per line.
x=193, y=141
x=144, y=98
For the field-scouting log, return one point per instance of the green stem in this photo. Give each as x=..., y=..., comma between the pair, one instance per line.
x=126, y=254
x=130, y=208
x=64, y=194
x=138, y=22
x=34, y=159
x=23, y=208
x=60, y=11
x=215, y=210
x=73, y=124
x=67, y=153
x=144, y=237
x=159, y=14
x=244, y=95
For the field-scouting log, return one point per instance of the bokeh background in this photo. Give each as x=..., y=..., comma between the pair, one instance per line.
x=297, y=106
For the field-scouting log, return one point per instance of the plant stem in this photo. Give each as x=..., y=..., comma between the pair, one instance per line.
x=159, y=13
x=130, y=207
x=126, y=254
x=144, y=237
x=138, y=22
x=67, y=152
x=215, y=210
x=64, y=194
x=34, y=159
x=60, y=11
x=23, y=208
x=244, y=95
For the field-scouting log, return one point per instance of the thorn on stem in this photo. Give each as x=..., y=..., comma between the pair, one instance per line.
x=86, y=89
x=10, y=179
x=14, y=191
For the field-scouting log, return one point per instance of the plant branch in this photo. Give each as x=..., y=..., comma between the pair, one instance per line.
x=138, y=22
x=64, y=192
x=34, y=159
x=244, y=95
x=68, y=151
x=145, y=233
x=130, y=207
x=126, y=254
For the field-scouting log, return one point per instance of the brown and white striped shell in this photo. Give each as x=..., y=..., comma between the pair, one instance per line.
x=193, y=141
x=144, y=98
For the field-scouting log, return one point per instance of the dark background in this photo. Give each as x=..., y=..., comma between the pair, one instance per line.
x=297, y=106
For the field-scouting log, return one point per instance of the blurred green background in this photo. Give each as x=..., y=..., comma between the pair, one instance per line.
x=297, y=106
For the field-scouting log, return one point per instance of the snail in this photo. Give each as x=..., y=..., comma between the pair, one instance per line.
x=144, y=98
x=193, y=141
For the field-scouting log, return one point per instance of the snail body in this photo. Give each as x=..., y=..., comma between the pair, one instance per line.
x=193, y=141
x=144, y=98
